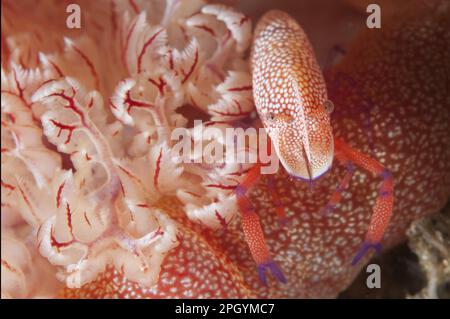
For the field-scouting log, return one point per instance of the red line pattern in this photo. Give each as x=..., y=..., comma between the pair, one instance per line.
x=69, y=217
x=55, y=243
x=160, y=85
x=57, y=69
x=87, y=219
x=71, y=105
x=8, y=186
x=64, y=127
x=144, y=48
x=158, y=169
x=58, y=194
x=134, y=103
x=27, y=201
x=171, y=65
x=221, y=219
x=206, y=28
x=127, y=43
x=9, y=267
x=243, y=20
x=191, y=70
x=242, y=88
x=90, y=65
x=221, y=186
x=239, y=113
x=133, y=6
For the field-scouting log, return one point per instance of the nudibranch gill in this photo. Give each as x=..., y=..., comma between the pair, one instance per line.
x=291, y=100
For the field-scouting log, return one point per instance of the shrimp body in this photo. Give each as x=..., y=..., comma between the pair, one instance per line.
x=291, y=97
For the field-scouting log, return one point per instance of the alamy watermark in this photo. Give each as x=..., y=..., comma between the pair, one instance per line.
x=374, y=278
x=374, y=19
x=73, y=20
x=212, y=145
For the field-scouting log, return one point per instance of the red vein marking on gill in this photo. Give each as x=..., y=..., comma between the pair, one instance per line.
x=134, y=6
x=90, y=65
x=191, y=70
x=221, y=219
x=144, y=48
x=193, y=194
x=131, y=176
x=206, y=28
x=226, y=187
x=8, y=186
x=20, y=95
x=112, y=105
x=69, y=218
x=19, y=88
x=239, y=107
x=58, y=194
x=127, y=42
x=240, y=173
x=159, y=85
x=91, y=103
x=64, y=127
x=185, y=36
x=57, y=68
x=44, y=83
x=244, y=19
x=171, y=64
x=11, y=117
x=134, y=103
x=158, y=232
x=231, y=114
x=27, y=201
x=87, y=219
x=241, y=88
x=57, y=244
x=226, y=37
x=9, y=267
x=72, y=105
x=121, y=188
x=158, y=168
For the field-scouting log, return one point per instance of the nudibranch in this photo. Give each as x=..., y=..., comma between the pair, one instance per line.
x=291, y=99
x=396, y=77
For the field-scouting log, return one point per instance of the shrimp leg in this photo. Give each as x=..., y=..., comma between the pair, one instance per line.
x=382, y=211
x=253, y=232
